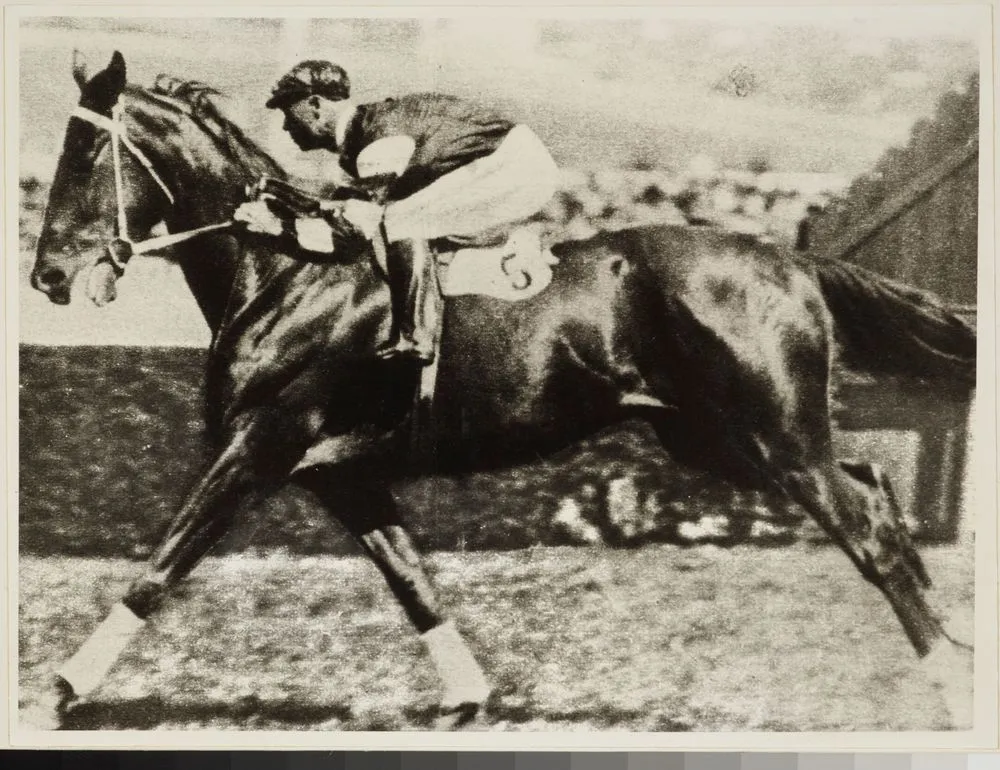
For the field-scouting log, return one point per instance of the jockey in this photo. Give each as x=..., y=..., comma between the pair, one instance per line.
x=437, y=166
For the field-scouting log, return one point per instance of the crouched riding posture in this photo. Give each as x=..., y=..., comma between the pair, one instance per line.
x=435, y=166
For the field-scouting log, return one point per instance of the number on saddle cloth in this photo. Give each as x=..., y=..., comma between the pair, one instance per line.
x=516, y=270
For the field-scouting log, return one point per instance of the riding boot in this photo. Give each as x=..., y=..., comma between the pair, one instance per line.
x=410, y=276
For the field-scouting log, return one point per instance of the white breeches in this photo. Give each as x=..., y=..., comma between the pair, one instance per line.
x=514, y=182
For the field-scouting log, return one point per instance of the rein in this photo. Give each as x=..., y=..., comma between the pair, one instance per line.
x=122, y=248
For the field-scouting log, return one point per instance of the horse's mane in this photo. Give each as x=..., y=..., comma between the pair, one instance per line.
x=197, y=100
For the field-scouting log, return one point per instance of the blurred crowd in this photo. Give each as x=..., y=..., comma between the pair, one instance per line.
x=756, y=201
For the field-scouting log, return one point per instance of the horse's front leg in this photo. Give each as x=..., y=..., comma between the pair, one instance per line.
x=260, y=452
x=365, y=507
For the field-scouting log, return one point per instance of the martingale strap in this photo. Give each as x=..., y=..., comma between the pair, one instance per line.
x=119, y=252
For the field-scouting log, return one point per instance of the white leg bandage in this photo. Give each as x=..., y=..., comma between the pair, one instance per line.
x=85, y=670
x=463, y=679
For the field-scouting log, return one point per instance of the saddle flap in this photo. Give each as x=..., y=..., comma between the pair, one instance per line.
x=514, y=271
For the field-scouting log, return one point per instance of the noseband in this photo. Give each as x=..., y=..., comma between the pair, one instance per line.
x=122, y=248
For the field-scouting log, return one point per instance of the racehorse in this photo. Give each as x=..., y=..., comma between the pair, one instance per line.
x=734, y=338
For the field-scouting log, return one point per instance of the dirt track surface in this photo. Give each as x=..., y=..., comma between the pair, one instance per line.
x=659, y=639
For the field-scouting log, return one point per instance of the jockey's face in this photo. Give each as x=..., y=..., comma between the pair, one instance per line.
x=311, y=123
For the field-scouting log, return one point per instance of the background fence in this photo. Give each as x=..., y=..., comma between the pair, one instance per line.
x=915, y=216
x=915, y=219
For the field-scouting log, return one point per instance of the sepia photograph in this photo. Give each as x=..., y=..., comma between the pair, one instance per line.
x=590, y=371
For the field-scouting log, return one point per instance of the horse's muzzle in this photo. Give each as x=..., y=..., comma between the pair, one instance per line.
x=56, y=268
x=53, y=282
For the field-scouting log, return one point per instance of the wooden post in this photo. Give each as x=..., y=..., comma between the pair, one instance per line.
x=911, y=193
x=931, y=493
x=939, y=416
x=938, y=412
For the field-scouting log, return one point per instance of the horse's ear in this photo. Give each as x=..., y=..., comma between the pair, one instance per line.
x=107, y=85
x=79, y=68
x=116, y=71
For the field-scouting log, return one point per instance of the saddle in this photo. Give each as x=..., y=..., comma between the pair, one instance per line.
x=511, y=267
x=515, y=269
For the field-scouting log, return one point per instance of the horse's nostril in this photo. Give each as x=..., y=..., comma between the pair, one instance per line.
x=49, y=277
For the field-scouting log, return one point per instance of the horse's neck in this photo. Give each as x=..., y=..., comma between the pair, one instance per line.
x=207, y=188
x=209, y=265
x=209, y=262
x=223, y=274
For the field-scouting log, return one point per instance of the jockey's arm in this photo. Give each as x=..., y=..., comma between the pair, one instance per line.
x=379, y=167
x=383, y=162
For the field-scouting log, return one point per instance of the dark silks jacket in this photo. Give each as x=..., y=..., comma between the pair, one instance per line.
x=449, y=133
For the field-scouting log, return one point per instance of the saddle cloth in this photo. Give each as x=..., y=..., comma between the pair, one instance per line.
x=513, y=271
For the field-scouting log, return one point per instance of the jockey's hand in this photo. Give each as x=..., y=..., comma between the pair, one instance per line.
x=314, y=234
x=259, y=218
x=363, y=216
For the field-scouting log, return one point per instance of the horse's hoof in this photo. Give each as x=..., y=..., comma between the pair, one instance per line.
x=456, y=717
x=950, y=666
x=65, y=695
x=51, y=710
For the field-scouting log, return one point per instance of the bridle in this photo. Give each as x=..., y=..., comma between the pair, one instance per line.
x=122, y=248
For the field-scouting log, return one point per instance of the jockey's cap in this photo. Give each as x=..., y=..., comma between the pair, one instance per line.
x=310, y=78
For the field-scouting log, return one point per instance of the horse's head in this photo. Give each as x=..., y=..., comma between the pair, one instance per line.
x=88, y=207
x=135, y=157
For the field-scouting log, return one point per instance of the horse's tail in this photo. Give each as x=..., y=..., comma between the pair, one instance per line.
x=888, y=328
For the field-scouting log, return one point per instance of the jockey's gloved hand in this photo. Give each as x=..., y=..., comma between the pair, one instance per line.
x=259, y=217
x=314, y=234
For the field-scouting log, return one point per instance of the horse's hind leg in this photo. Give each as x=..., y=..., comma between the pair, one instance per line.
x=856, y=507
x=870, y=530
x=260, y=453
x=365, y=507
x=949, y=661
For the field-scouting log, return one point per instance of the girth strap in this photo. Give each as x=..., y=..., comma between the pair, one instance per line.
x=424, y=418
